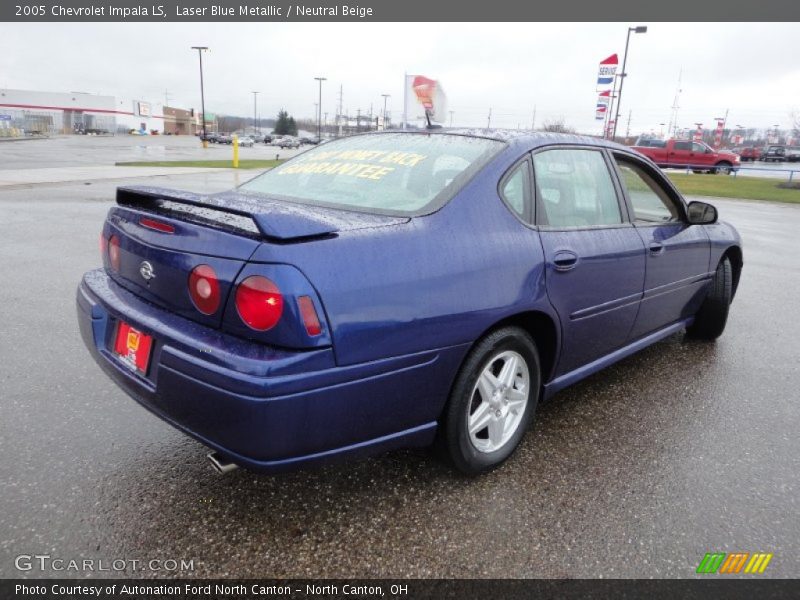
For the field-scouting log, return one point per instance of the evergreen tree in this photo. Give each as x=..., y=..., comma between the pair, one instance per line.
x=282, y=123
x=292, y=126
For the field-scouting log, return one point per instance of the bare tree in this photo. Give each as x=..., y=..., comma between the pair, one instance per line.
x=557, y=126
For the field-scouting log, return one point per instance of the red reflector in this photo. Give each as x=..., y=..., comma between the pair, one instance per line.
x=113, y=252
x=103, y=245
x=259, y=302
x=204, y=289
x=157, y=225
x=309, y=314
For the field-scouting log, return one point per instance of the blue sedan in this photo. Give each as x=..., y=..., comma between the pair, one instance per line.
x=398, y=289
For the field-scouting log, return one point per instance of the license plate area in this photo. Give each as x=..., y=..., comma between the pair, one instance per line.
x=133, y=347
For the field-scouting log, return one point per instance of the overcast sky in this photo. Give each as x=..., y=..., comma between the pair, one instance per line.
x=751, y=69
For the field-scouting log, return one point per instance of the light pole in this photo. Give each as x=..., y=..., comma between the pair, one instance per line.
x=200, y=50
x=385, y=98
x=319, y=111
x=255, y=114
x=623, y=75
x=452, y=112
x=662, y=129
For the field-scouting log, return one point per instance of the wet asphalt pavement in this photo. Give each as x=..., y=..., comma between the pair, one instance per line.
x=683, y=449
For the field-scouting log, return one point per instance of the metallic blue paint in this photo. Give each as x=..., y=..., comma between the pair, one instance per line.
x=401, y=301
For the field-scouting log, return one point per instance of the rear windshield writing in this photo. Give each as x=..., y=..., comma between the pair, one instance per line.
x=391, y=172
x=330, y=163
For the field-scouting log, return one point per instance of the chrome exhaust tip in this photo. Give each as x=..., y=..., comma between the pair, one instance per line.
x=221, y=464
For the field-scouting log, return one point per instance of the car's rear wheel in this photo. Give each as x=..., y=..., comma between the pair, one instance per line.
x=492, y=402
x=710, y=320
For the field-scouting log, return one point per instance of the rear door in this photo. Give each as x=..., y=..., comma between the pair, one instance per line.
x=678, y=254
x=595, y=259
x=680, y=153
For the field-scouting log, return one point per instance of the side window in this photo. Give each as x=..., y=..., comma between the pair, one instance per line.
x=574, y=189
x=698, y=148
x=682, y=146
x=651, y=203
x=514, y=189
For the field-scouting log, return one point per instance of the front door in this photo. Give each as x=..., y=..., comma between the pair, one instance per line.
x=678, y=254
x=595, y=259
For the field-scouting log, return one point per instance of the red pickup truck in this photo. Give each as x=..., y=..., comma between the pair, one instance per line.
x=687, y=154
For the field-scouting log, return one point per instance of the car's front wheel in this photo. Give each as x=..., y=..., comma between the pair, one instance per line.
x=493, y=401
x=710, y=320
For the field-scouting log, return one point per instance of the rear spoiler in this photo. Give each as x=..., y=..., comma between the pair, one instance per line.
x=232, y=212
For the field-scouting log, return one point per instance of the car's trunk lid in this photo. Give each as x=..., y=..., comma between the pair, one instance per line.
x=165, y=234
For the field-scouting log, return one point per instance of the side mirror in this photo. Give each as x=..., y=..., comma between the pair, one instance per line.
x=700, y=213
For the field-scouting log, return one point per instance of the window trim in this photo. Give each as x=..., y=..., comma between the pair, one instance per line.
x=613, y=177
x=657, y=176
x=529, y=209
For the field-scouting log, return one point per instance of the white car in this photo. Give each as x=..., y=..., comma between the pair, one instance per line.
x=246, y=141
x=287, y=142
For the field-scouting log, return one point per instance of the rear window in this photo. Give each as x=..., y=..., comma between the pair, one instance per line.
x=392, y=173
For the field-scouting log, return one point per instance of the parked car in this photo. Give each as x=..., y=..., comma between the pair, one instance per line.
x=747, y=153
x=246, y=141
x=224, y=138
x=688, y=154
x=288, y=142
x=267, y=139
x=392, y=289
x=773, y=153
x=792, y=153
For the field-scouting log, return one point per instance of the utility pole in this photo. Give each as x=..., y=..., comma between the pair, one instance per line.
x=452, y=112
x=200, y=50
x=166, y=97
x=623, y=75
x=319, y=113
x=533, y=119
x=341, y=96
x=628, y=128
x=489, y=122
x=255, y=114
x=385, y=98
x=673, y=118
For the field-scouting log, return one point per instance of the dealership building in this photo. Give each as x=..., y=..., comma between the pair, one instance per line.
x=25, y=112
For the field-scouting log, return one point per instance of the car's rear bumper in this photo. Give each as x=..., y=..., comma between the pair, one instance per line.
x=266, y=408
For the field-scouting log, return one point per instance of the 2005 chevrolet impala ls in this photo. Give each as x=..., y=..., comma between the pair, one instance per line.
x=398, y=289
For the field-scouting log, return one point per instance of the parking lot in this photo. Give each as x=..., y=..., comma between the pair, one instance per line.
x=683, y=449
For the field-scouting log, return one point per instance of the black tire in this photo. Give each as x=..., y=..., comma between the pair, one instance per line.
x=710, y=320
x=723, y=167
x=454, y=437
x=698, y=171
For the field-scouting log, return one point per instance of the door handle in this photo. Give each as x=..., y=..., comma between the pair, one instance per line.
x=564, y=260
x=656, y=248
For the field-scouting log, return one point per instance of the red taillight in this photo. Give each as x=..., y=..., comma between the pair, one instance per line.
x=259, y=302
x=156, y=225
x=309, y=315
x=103, y=246
x=204, y=289
x=113, y=252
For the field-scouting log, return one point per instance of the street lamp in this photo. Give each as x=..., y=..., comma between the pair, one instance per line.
x=255, y=114
x=200, y=50
x=385, y=97
x=319, y=111
x=638, y=29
